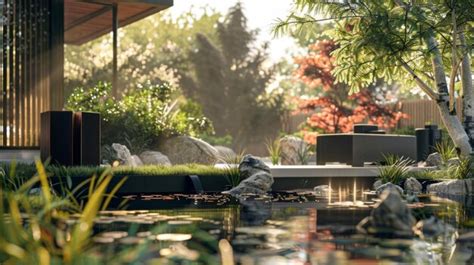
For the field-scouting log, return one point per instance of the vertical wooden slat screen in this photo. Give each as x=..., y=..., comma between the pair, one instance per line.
x=421, y=112
x=28, y=39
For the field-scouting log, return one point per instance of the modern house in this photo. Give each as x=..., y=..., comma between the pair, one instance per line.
x=34, y=33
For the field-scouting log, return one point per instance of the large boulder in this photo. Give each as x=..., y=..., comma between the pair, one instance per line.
x=453, y=187
x=412, y=186
x=154, y=158
x=257, y=178
x=389, y=185
x=125, y=157
x=390, y=216
x=433, y=227
x=187, y=150
x=434, y=160
x=292, y=149
x=225, y=153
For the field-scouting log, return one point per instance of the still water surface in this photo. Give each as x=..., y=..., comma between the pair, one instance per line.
x=293, y=228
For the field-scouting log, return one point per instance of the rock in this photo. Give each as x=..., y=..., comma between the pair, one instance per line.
x=377, y=184
x=187, y=150
x=390, y=216
x=467, y=237
x=125, y=157
x=225, y=153
x=154, y=158
x=455, y=161
x=388, y=185
x=453, y=187
x=412, y=186
x=322, y=190
x=432, y=227
x=255, y=212
x=258, y=180
x=434, y=160
x=135, y=161
x=292, y=148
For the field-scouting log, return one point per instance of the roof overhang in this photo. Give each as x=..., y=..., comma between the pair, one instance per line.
x=87, y=20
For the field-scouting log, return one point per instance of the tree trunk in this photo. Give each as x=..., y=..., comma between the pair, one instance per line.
x=468, y=93
x=451, y=122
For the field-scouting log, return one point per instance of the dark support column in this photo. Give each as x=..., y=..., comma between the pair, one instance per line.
x=56, y=85
x=115, y=25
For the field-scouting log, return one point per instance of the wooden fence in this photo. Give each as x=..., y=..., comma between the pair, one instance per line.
x=419, y=112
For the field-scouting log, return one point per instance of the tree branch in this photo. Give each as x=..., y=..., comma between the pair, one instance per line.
x=431, y=94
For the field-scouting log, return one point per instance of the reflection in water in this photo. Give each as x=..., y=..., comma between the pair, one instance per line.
x=303, y=229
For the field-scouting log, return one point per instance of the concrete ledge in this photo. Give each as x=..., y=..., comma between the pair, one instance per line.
x=19, y=155
x=323, y=171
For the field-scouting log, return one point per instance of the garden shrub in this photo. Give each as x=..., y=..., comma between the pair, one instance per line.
x=141, y=117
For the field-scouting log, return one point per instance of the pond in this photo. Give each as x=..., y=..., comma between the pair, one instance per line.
x=284, y=228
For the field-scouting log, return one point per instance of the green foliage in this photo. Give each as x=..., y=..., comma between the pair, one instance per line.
x=25, y=171
x=463, y=170
x=379, y=39
x=407, y=130
x=150, y=50
x=395, y=169
x=45, y=229
x=274, y=150
x=304, y=153
x=232, y=172
x=214, y=140
x=446, y=150
x=45, y=240
x=143, y=116
x=229, y=79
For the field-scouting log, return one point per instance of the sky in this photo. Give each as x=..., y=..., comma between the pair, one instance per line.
x=261, y=14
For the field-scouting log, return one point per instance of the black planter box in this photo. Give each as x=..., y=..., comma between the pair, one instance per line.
x=56, y=140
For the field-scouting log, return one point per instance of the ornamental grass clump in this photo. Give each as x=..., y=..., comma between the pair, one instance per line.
x=461, y=170
x=394, y=169
x=34, y=228
x=274, y=151
x=231, y=167
x=446, y=150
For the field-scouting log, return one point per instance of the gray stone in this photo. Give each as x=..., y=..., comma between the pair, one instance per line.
x=453, y=187
x=389, y=216
x=412, y=186
x=390, y=186
x=434, y=160
x=258, y=180
x=453, y=162
x=432, y=227
x=187, y=150
x=292, y=148
x=322, y=190
x=377, y=184
x=154, y=158
x=225, y=153
x=125, y=157
x=134, y=161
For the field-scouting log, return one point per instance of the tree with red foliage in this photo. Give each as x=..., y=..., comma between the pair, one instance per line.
x=336, y=110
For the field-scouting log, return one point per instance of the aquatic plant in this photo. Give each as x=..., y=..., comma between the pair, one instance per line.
x=274, y=150
x=394, y=169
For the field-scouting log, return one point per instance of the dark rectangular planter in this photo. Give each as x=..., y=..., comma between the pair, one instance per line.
x=56, y=140
x=87, y=139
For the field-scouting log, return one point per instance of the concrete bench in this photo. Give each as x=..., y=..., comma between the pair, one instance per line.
x=356, y=148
